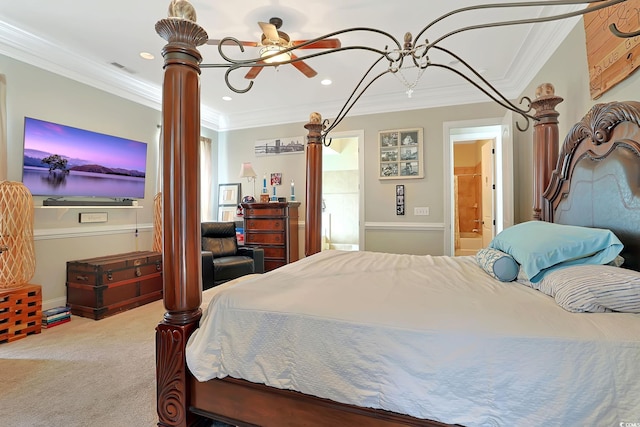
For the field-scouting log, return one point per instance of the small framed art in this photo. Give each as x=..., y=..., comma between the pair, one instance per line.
x=400, y=199
x=229, y=194
x=276, y=178
x=400, y=154
x=226, y=213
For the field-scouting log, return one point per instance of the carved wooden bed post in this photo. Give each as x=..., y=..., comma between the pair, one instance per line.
x=313, y=220
x=180, y=209
x=545, y=143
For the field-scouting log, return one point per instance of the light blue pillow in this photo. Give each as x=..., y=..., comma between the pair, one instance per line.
x=541, y=246
x=498, y=264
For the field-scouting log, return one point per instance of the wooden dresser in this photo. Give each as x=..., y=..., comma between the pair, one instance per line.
x=273, y=227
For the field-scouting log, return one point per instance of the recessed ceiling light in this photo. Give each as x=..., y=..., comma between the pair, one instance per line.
x=146, y=55
x=226, y=98
x=326, y=82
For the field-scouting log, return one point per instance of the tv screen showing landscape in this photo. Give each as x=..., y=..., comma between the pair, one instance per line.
x=61, y=161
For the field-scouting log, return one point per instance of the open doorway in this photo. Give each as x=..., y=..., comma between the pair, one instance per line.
x=478, y=183
x=343, y=192
x=473, y=194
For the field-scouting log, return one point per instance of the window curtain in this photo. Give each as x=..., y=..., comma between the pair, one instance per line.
x=206, y=189
x=206, y=180
x=159, y=161
x=3, y=127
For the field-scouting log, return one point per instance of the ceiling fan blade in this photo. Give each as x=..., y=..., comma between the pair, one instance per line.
x=254, y=71
x=230, y=42
x=321, y=44
x=270, y=31
x=304, y=68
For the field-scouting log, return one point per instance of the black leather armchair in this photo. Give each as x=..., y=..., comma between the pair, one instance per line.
x=220, y=250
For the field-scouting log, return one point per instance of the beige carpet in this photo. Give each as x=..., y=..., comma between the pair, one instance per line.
x=83, y=373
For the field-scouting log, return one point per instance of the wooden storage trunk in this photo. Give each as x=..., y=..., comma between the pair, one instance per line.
x=20, y=312
x=103, y=286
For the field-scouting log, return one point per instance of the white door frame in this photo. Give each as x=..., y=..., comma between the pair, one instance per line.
x=492, y=128
x=360, y=135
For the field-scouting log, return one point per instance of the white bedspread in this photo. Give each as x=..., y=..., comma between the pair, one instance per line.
x=432, y=337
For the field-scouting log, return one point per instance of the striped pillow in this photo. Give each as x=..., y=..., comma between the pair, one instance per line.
x=594, y=288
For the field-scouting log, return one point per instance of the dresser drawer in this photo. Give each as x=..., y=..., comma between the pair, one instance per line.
x=271, y=264
x=251, y=212
x=273, y=252
x=265, y=224
x=264, y=238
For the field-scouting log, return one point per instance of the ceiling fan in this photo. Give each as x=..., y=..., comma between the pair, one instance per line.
x=273, y=41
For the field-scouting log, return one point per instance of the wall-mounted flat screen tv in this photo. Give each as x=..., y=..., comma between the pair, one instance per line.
x=61, y=161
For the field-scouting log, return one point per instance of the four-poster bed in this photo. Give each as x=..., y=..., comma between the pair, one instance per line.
x=602, y=151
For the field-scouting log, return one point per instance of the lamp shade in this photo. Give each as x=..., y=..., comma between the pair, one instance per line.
x=246, y=171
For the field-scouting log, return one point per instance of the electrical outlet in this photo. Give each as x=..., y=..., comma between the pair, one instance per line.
x=421, y=211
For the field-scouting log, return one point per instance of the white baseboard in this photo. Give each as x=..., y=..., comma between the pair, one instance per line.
x=55, y=302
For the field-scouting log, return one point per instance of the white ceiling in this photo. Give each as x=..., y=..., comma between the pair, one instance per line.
x=81, y=40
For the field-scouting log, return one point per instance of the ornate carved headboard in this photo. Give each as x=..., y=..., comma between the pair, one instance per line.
x=596, y=182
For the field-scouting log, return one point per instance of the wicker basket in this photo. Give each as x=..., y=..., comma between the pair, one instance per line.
x=157, y=223
x=17, y=250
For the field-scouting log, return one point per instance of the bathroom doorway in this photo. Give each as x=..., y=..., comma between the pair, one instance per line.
x=479, y=174
x=473, y=194
x=343, y=192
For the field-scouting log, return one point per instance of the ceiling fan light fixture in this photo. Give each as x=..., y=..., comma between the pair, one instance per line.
x=271, y=50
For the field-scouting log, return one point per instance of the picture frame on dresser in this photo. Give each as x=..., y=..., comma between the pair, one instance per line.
x=400, y=154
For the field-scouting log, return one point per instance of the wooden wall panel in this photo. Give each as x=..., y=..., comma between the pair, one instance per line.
x=611, y=59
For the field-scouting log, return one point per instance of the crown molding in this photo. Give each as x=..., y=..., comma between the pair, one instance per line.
x=541, y=42
x=39, y=52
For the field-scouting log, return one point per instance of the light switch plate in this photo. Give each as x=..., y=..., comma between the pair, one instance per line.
x=421, y=211
x=93, y=217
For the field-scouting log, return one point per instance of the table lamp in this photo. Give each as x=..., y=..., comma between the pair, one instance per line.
x=246, y=171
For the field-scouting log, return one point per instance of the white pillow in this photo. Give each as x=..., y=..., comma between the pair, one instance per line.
x=593, y=288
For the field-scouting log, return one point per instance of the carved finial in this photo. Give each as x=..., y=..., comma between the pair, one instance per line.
x=182, y=9
x=408, y=41
x=545, y=89
x=315, y=118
